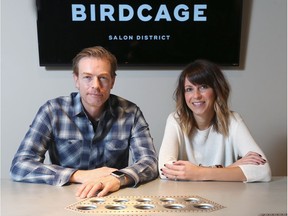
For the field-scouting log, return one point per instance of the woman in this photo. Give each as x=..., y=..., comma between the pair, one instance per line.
x=203, y=139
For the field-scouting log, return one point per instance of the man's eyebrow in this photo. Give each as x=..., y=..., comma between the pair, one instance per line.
x=86, y=73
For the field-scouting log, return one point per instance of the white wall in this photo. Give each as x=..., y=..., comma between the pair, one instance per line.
x=258, y=87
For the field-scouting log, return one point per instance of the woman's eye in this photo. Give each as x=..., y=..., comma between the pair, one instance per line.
x=188, y=89
x=203, y=87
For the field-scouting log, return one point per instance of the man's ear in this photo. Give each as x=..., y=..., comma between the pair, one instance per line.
x=76, y=80
x=113, y=82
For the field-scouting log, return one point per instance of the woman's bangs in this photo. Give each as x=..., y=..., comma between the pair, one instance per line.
x=199, y=78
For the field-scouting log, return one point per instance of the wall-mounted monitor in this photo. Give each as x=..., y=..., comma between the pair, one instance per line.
x=141, y=32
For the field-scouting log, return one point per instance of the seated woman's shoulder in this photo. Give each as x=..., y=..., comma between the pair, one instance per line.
x=235, y=116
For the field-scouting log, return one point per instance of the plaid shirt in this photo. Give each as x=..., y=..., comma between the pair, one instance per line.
x=62, y=128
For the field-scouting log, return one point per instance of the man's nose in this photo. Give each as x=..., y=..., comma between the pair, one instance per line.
x=95, y=82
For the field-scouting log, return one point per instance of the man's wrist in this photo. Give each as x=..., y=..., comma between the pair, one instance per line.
x=76, y=177
x=121, y=177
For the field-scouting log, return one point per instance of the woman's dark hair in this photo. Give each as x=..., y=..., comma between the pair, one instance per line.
x=203, y=72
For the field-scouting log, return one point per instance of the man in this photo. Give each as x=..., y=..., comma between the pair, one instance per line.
x=88, y=135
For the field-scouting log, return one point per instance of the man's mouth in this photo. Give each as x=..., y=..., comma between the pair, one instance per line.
x=95, y=94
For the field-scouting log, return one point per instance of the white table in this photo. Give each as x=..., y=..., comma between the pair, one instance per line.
x=243, y=199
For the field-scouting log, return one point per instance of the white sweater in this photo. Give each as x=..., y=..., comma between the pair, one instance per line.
x=210, y=148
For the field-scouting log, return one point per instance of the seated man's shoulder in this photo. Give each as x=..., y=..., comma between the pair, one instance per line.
x=118, y=101
x=64, y=102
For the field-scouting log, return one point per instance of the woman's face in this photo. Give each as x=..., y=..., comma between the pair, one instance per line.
x=200, y=99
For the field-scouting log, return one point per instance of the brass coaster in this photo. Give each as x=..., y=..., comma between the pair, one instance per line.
x=129, y=205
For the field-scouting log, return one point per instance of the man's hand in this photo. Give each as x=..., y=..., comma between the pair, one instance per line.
x=81, y=176
x=99, y=187
x=94, y=181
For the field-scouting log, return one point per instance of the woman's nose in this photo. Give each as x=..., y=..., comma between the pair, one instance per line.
x=197, y=94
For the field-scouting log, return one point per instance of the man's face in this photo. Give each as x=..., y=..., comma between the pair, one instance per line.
x=94, y=83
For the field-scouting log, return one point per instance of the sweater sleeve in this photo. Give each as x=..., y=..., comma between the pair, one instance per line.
x=244, y=142
x=169, y=149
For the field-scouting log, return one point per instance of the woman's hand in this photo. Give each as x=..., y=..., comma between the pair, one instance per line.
x=185, y=170
x=181, y=170
x=250, y=158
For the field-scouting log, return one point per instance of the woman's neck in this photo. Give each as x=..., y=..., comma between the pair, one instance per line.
x=204, y=122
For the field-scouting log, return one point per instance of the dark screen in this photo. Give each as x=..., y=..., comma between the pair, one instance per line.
x=141, y=33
